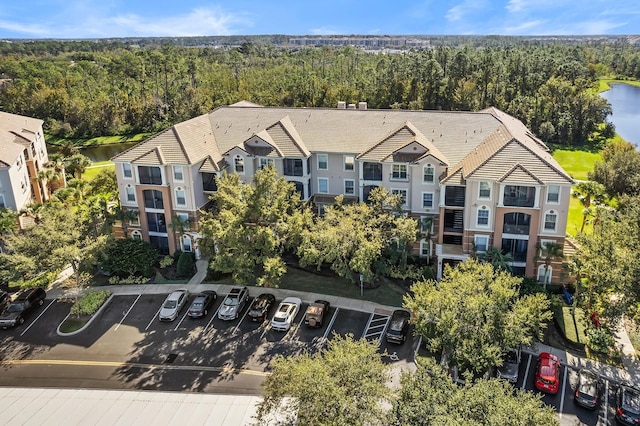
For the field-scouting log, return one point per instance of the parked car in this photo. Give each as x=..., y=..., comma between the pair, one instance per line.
x=201, y=304
x=261, y=306
x=510, y=365
x=233, y=303
x=398, y=326
x=628, y=405
x=587, y=393
x=548, y=373
x=172, y=305
x=23, y=305
x=285, y=314
x=314, y=317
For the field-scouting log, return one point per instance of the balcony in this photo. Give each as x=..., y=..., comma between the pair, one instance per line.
x=516, y=223
x=517, y=249
x=454, y=196
x=519, y=196
x=454, y=221
x=372, y=171
x=153, y=199
x=209, y=183
x=150, y=175
x=156, y=222
x=293, y=167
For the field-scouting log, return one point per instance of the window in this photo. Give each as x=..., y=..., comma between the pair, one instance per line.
x=238, y=164
x=150, y=175
x=293, y=167
x=177, y=173
x=485, y=190
x=371, y=171
x=483, y=216
x=126, y=170
x=553, y=194
x=481, y=243
x=136, y=235
x=185, y=219
x=186, y=244
x=427, y=200
x=131, y=194
x=323, y=185
x=399, y=171
x=426, y=224
x=349, y=187
x=550, y=221
x=544, y=274
x=425, y=248
x=323, y=161
x=349, y=163
x=135, y=221
x=403, y=196
x=543, y=244
x=181, y=197
x=266, y=162
x=428, y=173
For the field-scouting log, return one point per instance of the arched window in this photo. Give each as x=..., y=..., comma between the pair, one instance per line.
x=483, y=217
x=425, y=248
x=238, y=164
x=550, y=220
x=544, y=274
x=136, y=235
x=186, y=243
x=181, y=197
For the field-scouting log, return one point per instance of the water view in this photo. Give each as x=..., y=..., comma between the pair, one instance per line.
x=625, y=102
x=98, y=153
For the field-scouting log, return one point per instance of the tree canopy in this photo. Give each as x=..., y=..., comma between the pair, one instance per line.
x=342, y=384
x=428, y=396
x=253, y=224
x=474, y=314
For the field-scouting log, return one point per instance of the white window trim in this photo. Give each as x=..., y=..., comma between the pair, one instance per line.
x=475, y=242
x=319, y=187
x=480, y=197
x=178, y=189
x=404, y=205
x=421, y=222
x=126, y=194
x=124, y=174
x=429, y=243
x=326, y=157
x=136, y=220
x=400, y=165
x=268, y=161
x=174, y=173
x=434, y=174
x=235, y=166
x=187, y=238
x=543, y=243
x=433, y=201
x=353, y=163
x=354, y=186
x=544, y=221
x=559, y=192
x=136, y=234
x=480, y=209
x=541, y=273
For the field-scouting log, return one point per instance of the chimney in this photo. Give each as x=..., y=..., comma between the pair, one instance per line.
x=362, y=105
x=351, y=106
x=342, y=105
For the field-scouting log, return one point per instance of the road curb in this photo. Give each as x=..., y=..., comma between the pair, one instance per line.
x=73, y=333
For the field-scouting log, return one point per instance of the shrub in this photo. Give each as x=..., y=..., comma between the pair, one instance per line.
x=600, y=339
x=166, y=261
x=90, y=302
x=42, y=280
x=131, y=279
x=186, y=266
x=130, y=256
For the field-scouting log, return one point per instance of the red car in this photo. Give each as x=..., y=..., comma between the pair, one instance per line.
x=548, y=373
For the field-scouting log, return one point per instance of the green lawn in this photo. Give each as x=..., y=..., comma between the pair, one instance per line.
x=574, y=219
x=604, y=84
x=572, y=326
x=387, y=293
x=576, y=162
x=95, y=168
x=101, y=140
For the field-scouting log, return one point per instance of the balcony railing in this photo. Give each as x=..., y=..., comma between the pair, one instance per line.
x=454, y=196
x=516, y=229
x=157, y=226
x=153, y=200
x=372, y=171
x=519, y=196
x=518, y=202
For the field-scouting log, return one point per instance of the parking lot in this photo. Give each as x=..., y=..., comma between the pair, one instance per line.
x=127, y=346
x=211, y=354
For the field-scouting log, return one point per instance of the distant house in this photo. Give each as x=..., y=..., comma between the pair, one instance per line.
x=474, y=179
x=23, y=153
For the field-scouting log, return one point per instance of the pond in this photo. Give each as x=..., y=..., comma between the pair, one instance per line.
x=625, y=102
x=98, y=153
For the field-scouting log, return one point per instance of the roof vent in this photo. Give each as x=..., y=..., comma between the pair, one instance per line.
x=342, y=105
x=351, y=106
x=362, y=105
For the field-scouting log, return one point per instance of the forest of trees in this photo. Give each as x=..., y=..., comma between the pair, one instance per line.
x=96, y=88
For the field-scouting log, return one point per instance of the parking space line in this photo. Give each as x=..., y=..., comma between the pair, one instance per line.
x=214, y=316
x=244, y=315
x=330, y=326
x=606, y=400
x=526, y=373
x=154, y=317
x=384, y=330
x=297, y=327
x=366, y=327
x=127, y=313
x=266, y=328
x=564, y=387
x=38, y=317
x=182, y=319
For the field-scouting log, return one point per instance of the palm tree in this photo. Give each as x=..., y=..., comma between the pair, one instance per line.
x=549, y=251
x=589, y=193
x=77, y=164
x=48, y=176
x=8, y=223
x=179, y=225
x=497, y=258
x=125, y=217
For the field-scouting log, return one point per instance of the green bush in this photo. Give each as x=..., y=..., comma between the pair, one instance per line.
x=166, y=261
x=186, y=267
x=600, y=339
x=130, y=257
x=42, y=280
x=90, y=302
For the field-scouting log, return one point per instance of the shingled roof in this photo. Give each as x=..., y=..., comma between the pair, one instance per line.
x=16, y=132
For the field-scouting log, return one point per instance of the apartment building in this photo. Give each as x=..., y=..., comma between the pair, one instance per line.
x=23, y=153
x=474, y=179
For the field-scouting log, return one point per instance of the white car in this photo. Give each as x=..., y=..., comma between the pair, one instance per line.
x=173, y=304
x=285, y=314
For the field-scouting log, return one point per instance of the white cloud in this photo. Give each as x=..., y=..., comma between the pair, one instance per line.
x=464, y=9
x=27, y=29
x=325, y=31
x=526, y=28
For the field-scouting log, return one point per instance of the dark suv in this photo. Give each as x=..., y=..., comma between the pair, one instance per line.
x=398, y=326
x=22, y=306
x=628, y=406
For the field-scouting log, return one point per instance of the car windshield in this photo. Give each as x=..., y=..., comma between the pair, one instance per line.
x=259, y=303
x=631, y=402
x=279, y=319
x=231, y=301
x=16, y=307
x=196, y=305
x=170, y=304
x=511, y=358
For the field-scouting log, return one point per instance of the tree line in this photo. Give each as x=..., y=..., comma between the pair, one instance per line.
x=88, y=89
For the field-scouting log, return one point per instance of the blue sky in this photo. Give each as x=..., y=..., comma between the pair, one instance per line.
x=124, y=18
